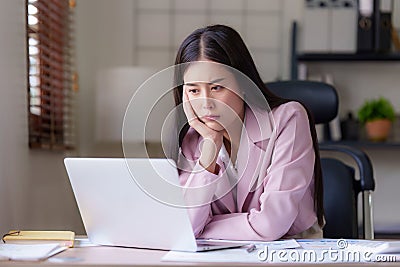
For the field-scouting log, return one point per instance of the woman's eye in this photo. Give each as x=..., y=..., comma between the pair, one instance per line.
x=216, y=87
x=193, y=91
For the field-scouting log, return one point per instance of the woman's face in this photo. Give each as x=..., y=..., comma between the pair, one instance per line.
x=214, y=94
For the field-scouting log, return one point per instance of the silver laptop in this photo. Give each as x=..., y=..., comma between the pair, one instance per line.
x=134, y=203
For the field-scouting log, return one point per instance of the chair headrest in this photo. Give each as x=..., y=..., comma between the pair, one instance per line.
x=320, y=98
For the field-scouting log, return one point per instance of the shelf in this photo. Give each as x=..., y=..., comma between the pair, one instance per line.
x=348, y=57
x=296, y=57
x=365, y=144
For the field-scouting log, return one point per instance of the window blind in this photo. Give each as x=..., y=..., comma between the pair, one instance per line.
x=52, y=79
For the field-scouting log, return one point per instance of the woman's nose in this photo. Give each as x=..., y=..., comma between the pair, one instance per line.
x=208, y=103
x=206, y=100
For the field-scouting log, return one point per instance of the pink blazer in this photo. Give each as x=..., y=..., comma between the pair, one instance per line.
x=275, y=190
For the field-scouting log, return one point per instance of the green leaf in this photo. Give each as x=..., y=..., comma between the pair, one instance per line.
x=376, y=109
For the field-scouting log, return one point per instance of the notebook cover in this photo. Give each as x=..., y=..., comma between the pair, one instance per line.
x=65, y=238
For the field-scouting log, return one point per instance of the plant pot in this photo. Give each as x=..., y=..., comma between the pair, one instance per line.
x=378, y=130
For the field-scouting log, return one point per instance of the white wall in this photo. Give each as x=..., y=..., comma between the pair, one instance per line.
x=104, y=38
x=34, y=190
x=259, y=22
x=13, y=143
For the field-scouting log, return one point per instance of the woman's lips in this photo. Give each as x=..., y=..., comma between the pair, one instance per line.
x=210, y=117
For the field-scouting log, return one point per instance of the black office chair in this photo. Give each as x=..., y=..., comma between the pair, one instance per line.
x=341, y=188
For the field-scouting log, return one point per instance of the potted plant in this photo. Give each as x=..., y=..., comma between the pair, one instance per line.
x=377, y=115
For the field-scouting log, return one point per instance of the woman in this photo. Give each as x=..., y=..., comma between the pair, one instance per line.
x=244, y=180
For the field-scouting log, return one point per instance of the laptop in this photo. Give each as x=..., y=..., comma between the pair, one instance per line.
x=134, y=203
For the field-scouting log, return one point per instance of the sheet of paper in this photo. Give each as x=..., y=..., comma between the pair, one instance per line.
x=225, y=255
x=278, y=244
x=29, y=252
x=327, y=243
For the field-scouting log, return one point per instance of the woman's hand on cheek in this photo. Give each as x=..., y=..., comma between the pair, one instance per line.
x=212, y=139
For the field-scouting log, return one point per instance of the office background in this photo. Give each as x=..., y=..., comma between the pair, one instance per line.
x=34, y=188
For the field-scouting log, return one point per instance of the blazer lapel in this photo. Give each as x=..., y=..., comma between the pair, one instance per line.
x=249, y=164
x=254, y=153
x=223, y=192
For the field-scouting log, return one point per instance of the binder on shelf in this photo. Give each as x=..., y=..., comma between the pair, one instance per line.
x=365, y=26
x=316, y=26
x=383, y=25
x=343, y=26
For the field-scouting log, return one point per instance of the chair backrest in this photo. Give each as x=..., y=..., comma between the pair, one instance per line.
x=341, y=188
x=340, y=208
x=316, y=96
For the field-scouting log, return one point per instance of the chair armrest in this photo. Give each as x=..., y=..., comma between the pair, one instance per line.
x=362, y=160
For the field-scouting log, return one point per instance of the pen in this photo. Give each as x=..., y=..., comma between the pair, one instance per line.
x=251, y=248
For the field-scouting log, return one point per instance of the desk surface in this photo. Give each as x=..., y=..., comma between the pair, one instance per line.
x=115, y=256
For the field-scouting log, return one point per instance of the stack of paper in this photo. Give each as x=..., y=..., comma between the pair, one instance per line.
x=29, y=252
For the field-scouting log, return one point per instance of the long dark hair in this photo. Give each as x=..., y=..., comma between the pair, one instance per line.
x=222, y=44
